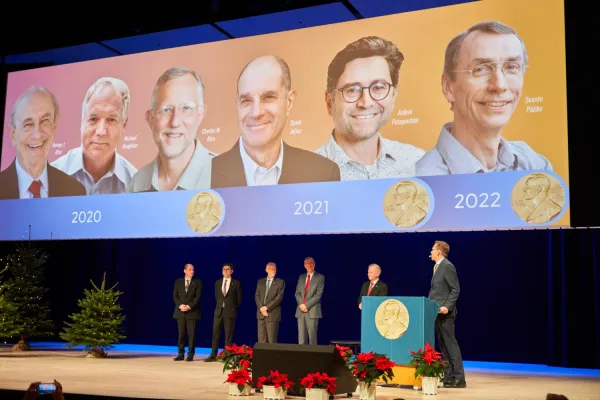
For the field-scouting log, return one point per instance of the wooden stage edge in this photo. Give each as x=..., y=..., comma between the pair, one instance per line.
x=157, y=376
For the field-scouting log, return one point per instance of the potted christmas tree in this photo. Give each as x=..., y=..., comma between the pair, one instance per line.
x=98, y=325
x=25, y=309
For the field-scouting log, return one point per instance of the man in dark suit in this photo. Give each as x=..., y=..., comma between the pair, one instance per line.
x=32, y=127
x=261, y=157
x=228, y=293
x=186, y=295
x=445, y=289
x=374, y=286
x=268, y=297
x=309, y=291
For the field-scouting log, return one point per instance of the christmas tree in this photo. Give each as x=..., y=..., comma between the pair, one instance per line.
x=98, y=325
x=7, y=328
x=27, y=309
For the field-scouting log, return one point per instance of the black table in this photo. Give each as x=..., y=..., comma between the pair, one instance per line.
x=353, y=344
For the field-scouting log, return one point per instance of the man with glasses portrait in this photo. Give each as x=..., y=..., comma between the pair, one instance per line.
x=483, y=78
x=362, y=86
x=176, y=111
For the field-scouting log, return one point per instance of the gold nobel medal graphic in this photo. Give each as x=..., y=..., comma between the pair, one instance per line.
x=391, y=319
x=406, y=203
x=204, y=212
x=538, y=198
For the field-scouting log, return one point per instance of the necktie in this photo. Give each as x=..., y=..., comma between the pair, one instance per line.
x=224, y=287
x=187, y=285
x=267, y=291
x=370, y=288
x=34, y=188
x=306, y=288
x=435, y=267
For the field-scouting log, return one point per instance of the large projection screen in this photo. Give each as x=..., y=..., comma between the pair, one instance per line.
x=452, y=118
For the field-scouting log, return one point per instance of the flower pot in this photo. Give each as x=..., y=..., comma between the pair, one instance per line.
x=317, y=394
x=235, y=391
x=429, y=385
x=273, y=393
x=367, y=392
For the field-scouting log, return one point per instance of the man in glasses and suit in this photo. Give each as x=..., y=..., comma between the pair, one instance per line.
x=186, y=295
x=268, y=297
x=228, y=294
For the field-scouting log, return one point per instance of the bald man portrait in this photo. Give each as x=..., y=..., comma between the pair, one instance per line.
x=32, y=127
x=374, y=286
x=260, y=156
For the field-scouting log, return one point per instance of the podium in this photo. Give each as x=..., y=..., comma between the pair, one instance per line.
x=394, y=326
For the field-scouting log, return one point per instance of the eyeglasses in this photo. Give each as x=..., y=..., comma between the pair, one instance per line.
x=187, y=109
x=510, y=69
x=377, y=90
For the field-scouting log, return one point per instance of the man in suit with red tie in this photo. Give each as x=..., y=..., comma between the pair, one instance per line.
x=228, y=293
x=374, y=286
x=309, y=291
x=32, y=126
x=186, y=295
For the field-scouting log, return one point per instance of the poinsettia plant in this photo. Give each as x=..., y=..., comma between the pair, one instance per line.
x=275, y=379
x=345, y=352
x=236, y=357
x=369, y=367
x=428, y=362
x=240, y=377
x=319, y=380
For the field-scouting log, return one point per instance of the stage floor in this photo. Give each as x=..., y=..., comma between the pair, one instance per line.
x=153, y=374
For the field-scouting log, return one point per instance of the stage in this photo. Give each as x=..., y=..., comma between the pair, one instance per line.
x=150, y=372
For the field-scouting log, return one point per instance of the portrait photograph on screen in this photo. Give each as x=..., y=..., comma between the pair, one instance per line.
x=453, y=118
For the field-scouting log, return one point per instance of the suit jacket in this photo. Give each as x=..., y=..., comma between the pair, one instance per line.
x=299, y=166
x=380, y=289
x=313, y=297
x=445, y=287
x=191, y=298
x=232, y=301
x=59, y=183
x=273, y=300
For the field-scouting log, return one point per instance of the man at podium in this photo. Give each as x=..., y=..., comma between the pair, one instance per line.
x=445, y=289
x=374, y=286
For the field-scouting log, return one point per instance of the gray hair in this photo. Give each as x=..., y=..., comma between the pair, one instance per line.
x=120, y=87
x=27, y=92
x=177, y=72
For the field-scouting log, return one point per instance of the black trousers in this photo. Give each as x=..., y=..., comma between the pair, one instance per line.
x=444, y=330
x=186, y=325
x=229, y=325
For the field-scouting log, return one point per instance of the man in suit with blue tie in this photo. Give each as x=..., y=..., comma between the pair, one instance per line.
x=309, y=291
x=268, y=297
x=445, y=289
x=186, y=295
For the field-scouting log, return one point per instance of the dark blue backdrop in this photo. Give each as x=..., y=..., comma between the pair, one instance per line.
x=526, y=296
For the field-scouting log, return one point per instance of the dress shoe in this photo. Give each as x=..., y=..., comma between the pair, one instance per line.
x=456, y=384
x=178, y=358
x=189, y=358
x=210, y=358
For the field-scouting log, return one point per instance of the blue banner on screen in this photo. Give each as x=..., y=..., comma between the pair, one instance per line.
x=472, y=201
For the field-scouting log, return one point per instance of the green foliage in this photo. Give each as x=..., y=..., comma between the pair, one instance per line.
x=427, y=362
x=25, y=309
x=98, y=324
x=7, y=328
